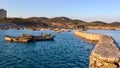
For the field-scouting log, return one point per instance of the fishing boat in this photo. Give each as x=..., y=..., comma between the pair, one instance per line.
x=44, y=37
x=29, y=38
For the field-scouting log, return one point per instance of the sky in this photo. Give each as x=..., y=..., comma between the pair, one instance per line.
x=86, y=10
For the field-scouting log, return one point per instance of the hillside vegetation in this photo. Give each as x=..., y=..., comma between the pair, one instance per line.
x=56, y=22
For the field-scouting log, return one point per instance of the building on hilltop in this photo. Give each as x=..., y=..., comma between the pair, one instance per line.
x=3, y=13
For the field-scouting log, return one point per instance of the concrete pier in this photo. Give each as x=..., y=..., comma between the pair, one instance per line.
x=106, y=53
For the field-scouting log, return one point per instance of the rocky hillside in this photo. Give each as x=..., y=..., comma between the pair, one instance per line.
x=59, y=22
x=56, y=22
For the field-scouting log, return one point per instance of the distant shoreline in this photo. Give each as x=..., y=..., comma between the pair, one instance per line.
x=37, y=23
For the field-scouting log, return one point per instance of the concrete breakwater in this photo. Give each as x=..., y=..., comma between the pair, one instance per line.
x=106, y=54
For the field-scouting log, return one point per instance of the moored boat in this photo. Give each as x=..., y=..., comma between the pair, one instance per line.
x=29, y=38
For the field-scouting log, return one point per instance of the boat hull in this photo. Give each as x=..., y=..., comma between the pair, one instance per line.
x=29, y=38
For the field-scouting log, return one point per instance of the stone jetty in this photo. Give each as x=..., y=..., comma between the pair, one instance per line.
x=106, y=53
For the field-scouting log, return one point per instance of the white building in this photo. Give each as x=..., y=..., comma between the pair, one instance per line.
x=3, y=13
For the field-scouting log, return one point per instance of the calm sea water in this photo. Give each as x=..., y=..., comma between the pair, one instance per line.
x=66, y=51
x=114, y=33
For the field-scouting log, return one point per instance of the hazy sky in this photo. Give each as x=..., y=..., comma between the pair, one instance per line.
x=87, y=10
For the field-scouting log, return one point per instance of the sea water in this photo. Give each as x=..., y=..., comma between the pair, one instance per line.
x=65, y=51
x=115, y=34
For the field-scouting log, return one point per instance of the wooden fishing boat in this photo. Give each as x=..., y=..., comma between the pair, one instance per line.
x=29, y=38
x=44, y=37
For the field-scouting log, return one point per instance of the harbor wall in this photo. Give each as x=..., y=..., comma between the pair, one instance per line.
x=105, y=54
